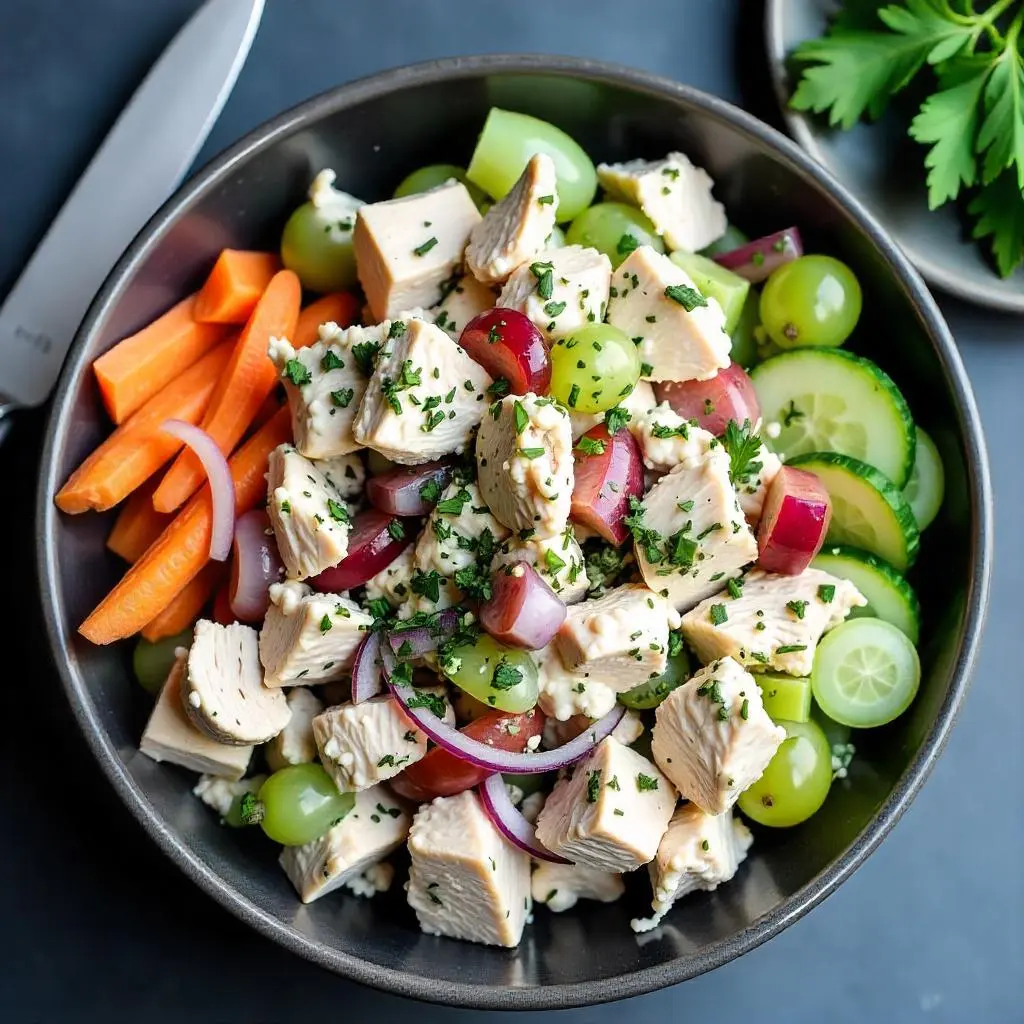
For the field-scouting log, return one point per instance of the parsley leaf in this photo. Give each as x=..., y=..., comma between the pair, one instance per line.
x=296, y=371
x=591, y=445
x=688, y=298
x=999, y=209
x=430, y=492
x=365, y=355
x=506, y=676
x=616, y=418
x=431, y=701
x=743, y=446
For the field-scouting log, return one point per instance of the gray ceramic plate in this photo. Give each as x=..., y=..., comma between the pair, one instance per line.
x=867, y=161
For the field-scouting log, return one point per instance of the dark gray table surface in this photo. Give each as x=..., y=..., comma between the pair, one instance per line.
x=98, y=927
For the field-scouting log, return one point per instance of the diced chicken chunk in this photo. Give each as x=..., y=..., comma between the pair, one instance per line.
x=753, y=490
x=699, y=851
x=363, y=744
x=562, y=290
x=460, y=534
x=675, y=195
x=562, y=886
x=465, y=880
x=345, y=473
x=223, y=689
x=557, y=733
x=564, y=693
x=667, y=440
x=620, y=639
x=295, y=743
x=309, y=637
x=636, y=403
x=376, y=878
x=558, y=560
x=324, y=384
x=424, y=398
x=515, y=228
x=683, y=333
x=407, y=248
x=694, y=535
x=220, y=793
x=775, y=621
x=310, y=519
x=524, y=458
x=611, y=814
x=170, y=736
x=712, y=736
x=466, y=299
x=392, y=582
x=376, y=826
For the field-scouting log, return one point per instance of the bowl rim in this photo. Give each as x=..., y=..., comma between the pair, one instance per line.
x=465, y=994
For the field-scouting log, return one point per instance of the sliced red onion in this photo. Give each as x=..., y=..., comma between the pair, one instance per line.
x=397, y=491
x=255, y=566
x=484, y=756
x=757, y=259
x=222, y=487
x=523, y=610
x=422, y=640
x=366, y=676
x=509, y=821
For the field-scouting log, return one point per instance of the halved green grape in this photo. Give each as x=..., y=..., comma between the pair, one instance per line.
x=317, y=245
x=785, y=698
x=812, y=300
x=594, y=368
x=651, y=693
x=729, y=290
x=615, y=229
x=744, y=351
x=498, y=676
x=927, y=481
x=505, y=146
x=426, y=178
x=556, y=239
x=866, y=673
x=151, y=662
x=732, y=239
x=300, y=803
x=796, y=781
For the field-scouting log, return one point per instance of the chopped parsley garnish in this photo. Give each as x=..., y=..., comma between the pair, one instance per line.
x=454, y=505
x=675, y=643
x=593, y=786
x=735, y=587
x=553, y=562
x=286, y=507
x=613, y=784
x=645, y=783
x=397, y=329
x=646, y=369
x=660, y=431
x=295, y=370
x=554, y=308
x=521, y=416
x=546, y=200
x=603, y=565
x=396, y=528
x=430, y=492
x=432, y=420
x=574, y=396
x=365, y=354
x=338, y=511
x=342, y=398
x=531, y=453
x=616, y=418
x=790, y=648
x=591, y=445
x=688, y=298
x=681, y=550
x=326, y=624
x=331, y=361
x=422, y=250
x=627, y=244
x=434, y=703
x=718, y=614
x=826, y=592
x=499, y=389
x=427, y=584
x=743, y=446
x=544, y=273
x=745, y=709
x=506, y=676
x=797, y=608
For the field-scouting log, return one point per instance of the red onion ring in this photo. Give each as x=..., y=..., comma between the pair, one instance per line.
x=483, y=756
x=222, y=486
x=509, y=821
x=756, y=260
x=254, y=567
x=366, y=676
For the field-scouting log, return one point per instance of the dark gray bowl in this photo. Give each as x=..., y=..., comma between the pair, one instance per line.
x=373, y=132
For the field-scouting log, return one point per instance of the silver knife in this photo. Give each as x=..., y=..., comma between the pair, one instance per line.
x=140, y=163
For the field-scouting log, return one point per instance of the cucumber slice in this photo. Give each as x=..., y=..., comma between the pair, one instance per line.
x=927, y=481
x=716, y=282
x=785, y=698
x=868, y=512
x=744, y=344
x=827, y=399
x=866, y=673
x=888, y=594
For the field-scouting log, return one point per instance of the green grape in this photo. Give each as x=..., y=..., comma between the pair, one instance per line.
x=812, y=300
x=732, y=239
x=151, y=662
x=556, y=239
x=300, y=803
x=651, y=693
x=505, y=146
x=796, y=781
x=500, y=677
x=317, y=245
x=594, y=368
x=834, y=732
x=426, y=178
x=615, y=229
x=744, y=344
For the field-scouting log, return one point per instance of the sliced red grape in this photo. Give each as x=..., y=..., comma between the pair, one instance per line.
x=507, y=343
x=729, y=395
x=523, y=610
x=756, y=260
x=409, y=490
x=375, y=541
x=795, y=520
x=608, y=471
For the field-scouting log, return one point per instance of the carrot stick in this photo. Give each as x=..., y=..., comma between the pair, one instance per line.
x=341, y=307
x=138, y=448
x=266, y=411
x=187, y=605
x=137, y=525
x=235, y=285
x=135, y=369
x=246, y=382
x=180, y=552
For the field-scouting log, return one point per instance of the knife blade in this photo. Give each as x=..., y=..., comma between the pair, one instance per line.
x=139, y=164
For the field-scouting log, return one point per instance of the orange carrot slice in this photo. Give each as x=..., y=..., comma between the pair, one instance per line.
x=138, y=448
x=341, y=307
x=248, y=379
x=235, y=285
x=135, y=369
x=180, y=552
x=187, y=605
x=138, y=524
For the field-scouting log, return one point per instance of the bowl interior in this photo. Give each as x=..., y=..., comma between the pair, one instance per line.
x=373, y=133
